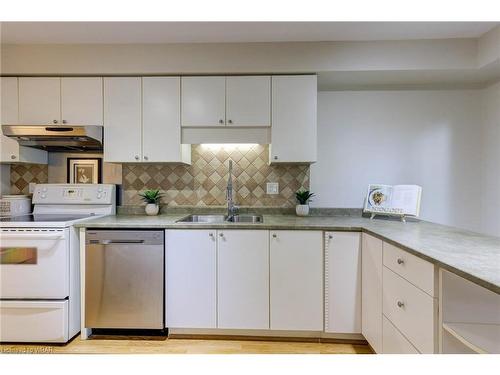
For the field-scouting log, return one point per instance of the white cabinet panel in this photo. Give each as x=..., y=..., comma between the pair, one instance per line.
x=243, y=279
x=203, y=101
x=161, y=126
x=294, y=124
x=248, y=101
x=191, y=263
x=9, y=100
x=412, y=268
x=296, y=280
x=39, y=100
x=371, y=291
x=122, y=119
x=342, y=282
x=81, y=100
x=394, y=342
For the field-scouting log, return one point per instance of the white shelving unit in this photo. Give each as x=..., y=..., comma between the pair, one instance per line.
x=469, y=316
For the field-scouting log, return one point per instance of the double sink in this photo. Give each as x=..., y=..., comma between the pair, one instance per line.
x=210, y=219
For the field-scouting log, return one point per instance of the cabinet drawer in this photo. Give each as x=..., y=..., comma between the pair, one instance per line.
x=34, y=321
x=393, y=342
x=414, y=269
x=411, y=310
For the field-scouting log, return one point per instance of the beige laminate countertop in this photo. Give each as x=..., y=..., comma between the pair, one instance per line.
x=473, y=256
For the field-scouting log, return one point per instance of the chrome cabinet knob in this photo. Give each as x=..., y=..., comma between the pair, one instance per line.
x=146, y=158
x=275, y=235
x=211, y=235
x=136, y=157
x=401, y=304
x=330, y=237
x=54, y=121
x=64, y=121
x=13, y=157
x=221, y=234
x=401, y=261
x=230, y=121
x=275, y=158
x=221, y=121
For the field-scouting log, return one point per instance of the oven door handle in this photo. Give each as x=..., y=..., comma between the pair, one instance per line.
x=34, y=236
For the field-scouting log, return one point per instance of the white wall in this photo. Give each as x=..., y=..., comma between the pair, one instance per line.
x=490, y=213
x=429, y=138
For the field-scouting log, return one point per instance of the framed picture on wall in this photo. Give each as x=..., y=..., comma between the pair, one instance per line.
x=84, y=170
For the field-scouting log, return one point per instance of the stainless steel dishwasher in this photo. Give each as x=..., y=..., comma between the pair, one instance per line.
x=124, y=279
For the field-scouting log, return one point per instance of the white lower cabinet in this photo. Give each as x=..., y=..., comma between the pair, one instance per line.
x=343, y=282
x=191, y=278
x=296, y=280
x=243, y=279
x=371, y=287
x=393, y=340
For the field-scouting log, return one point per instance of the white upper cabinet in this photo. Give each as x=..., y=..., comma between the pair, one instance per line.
x=294, y=124
x=343, y=282
x=248, y=101
x=203, y=101
x=11, y=152
x=39, y=100
x=191, y=278
x=371, y=291
x=81, y=101
x=9, y=101
x=122, y=119
x=296, y=280
x=243, y=279
x=161, y=122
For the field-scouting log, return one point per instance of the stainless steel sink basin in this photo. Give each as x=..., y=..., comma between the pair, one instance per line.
x=211, y=219
x=246, y=219
x=203, y=219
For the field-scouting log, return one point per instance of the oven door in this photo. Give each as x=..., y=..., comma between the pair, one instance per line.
x=34, y=263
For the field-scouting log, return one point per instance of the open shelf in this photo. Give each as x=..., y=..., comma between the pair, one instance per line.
x=480, y=338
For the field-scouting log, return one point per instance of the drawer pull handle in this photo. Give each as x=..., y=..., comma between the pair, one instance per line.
x=401, y=261
x=401, y=304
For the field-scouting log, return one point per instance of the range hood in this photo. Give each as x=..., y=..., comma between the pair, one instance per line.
x=57, y=138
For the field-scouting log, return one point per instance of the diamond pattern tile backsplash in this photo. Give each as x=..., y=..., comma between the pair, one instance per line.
x=22, y=174
x=204, y=182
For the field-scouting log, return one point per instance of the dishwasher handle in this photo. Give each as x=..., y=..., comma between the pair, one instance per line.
x=120, y=242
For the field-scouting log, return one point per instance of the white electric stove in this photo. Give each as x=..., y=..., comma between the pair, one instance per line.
x=40, y=262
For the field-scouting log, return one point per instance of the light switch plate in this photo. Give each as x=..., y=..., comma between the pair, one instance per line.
x=272, y=188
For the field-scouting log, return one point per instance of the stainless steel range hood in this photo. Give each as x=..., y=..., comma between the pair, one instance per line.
x=57, y=138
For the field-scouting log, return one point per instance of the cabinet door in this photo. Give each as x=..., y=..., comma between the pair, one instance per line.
x=122, y=119
x=343, y=282
x=243, y=279
x=81, y=100
x=248, y=101
x=191, y=266
x=161, y=120
x=39, y=100
x=294, y=124
x=9, y=150
x=9, y=101
x=296, y=280
x=371, y=291
x=203, y=101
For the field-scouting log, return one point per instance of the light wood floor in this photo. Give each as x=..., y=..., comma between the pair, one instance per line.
x=185, y=346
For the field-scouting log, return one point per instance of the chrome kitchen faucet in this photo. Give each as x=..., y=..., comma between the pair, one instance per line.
x=231, y=208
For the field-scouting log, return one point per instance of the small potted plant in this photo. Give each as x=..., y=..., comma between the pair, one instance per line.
x=303, y=196
x=152, y=199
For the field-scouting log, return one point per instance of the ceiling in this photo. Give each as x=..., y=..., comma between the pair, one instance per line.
x=232, y=32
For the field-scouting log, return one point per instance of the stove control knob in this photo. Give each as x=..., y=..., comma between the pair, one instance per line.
x=44, y=189
x=99, y=195
x=44, y=196
x=99, y=190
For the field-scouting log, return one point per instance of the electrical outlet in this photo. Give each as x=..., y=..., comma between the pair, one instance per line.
x=31, y=187
x=272, y=188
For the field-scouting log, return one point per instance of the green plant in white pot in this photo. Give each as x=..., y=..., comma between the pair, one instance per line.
x=303, y=197
x=152, y=199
